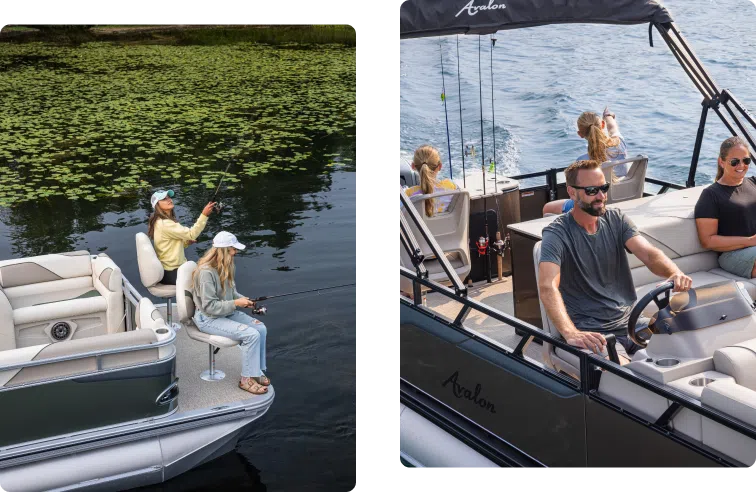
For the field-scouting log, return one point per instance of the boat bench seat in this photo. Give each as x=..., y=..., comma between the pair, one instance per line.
x=153, y=330
x=75, y=288
x=667, y=222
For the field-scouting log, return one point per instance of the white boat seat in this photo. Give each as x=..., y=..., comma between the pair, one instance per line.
x=214, y=340
x=739, y=402
x=151, y=272
x=75, y=288
x=186, y=309
x=739, y=361
x=556, y=358
x=628, y=187
x=455, y=260
x=162, y=290
x=450, y=229
x=59, y=310
x=149, y=333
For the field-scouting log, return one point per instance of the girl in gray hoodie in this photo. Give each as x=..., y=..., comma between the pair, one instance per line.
x=216, y=300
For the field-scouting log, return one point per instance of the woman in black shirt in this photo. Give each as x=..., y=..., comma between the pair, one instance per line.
x=726, y=211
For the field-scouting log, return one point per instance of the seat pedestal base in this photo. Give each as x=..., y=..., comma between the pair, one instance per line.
x=216, y=375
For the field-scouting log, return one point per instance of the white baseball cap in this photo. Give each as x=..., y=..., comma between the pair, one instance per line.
x=159, y=195
x=225, y=239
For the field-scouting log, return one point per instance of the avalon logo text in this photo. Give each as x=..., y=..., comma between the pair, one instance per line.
x=464, y=393
x=473, y=9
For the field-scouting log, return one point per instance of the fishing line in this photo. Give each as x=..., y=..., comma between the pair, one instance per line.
x=446, y=114
x=263, y=298
x=461, y=135
x=482, y=144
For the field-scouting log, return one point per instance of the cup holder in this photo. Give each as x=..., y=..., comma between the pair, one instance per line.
x=699, y=382
x=667, y=362
x=161, y=331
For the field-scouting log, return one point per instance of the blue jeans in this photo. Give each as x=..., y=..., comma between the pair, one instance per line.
x=739, y=262
x=239, y=326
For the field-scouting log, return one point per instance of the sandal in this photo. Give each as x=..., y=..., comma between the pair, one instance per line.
x=254, y=387
x=263, y=380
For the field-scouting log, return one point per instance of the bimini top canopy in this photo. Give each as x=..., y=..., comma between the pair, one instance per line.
x=440, y=17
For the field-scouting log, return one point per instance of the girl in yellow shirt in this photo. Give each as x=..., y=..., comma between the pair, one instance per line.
x=170, y=237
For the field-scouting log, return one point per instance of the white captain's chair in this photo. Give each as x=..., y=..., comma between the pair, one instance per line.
x=151, y=273
x=186, y=308
x=554, y=357
x=450, y=228
x=628, y=187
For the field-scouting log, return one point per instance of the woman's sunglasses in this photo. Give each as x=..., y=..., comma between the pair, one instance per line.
x=593, y=190
x=735, y=162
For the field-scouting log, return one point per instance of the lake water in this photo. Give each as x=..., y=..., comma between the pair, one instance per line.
x=85, y=145
x=544, y=77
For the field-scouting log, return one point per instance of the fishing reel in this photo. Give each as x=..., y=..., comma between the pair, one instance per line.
x=501, y=245
x=218, y=206
x=260, y=310
x=482, y=245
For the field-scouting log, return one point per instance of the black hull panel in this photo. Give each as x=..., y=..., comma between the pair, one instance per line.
x=87, y=402
x=531, y=411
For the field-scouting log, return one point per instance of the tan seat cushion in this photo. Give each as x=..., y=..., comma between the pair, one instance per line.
x=59, y=310
x=162, y=290
x=739, y=361
x=44, y=292
x=45, y=268
x=732, y=399
x=214, y=340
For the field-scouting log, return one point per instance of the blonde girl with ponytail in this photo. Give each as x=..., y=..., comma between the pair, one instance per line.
x=605, y=143
x=427, y=162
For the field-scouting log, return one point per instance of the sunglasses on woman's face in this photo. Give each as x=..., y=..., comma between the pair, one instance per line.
x=593, y=190
x=735, y=162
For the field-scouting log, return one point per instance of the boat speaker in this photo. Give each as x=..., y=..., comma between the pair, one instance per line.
x=60, y=331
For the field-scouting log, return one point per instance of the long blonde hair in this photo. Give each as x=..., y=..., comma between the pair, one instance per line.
x=724, y=149
x=427, y=162
x=589, y=126
x=159, y=214
x=222, y=261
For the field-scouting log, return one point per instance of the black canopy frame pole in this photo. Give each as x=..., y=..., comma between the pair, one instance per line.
x=713, y=97
x=446, y=113
x=691, y=182
x=706, y=91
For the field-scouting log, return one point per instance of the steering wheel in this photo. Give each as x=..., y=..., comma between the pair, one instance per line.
x=641, y=336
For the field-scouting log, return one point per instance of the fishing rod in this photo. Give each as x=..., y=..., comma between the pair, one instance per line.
x=446, y=114
x=219, y=206
x=263, y=310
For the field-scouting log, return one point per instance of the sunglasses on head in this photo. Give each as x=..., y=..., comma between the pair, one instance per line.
x=593, y=190
x=735, y=162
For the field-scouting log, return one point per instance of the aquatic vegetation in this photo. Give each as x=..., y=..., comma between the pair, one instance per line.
x=106, y=120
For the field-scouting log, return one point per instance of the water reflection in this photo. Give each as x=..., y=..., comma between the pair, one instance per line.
x=261, y=210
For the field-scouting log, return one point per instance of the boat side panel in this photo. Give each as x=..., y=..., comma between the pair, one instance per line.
x=616, y=440
x=525, y=287
x=536, y=414
x=81, y=403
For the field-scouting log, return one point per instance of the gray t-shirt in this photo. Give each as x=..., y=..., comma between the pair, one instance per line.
x=595, y=281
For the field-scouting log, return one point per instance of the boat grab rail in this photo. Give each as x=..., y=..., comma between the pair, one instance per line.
x=98, y=354
x=587, y=377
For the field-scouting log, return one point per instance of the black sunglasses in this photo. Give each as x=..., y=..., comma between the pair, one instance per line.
x=593, y=190
x=735, y=162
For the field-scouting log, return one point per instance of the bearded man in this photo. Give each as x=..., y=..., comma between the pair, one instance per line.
x=584, y=277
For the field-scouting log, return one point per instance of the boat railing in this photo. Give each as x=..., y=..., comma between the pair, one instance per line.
x=131, y=302
x=590, y=364
x=552, y=182
x=97, y=354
